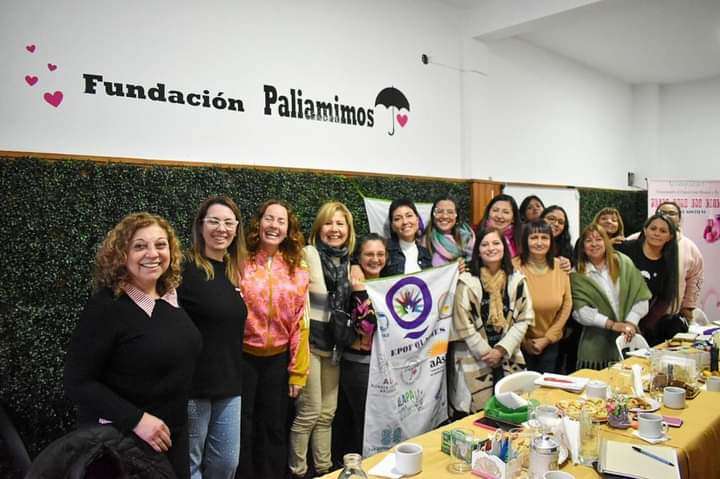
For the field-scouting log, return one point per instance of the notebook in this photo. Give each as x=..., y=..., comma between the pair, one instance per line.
x=619, y=458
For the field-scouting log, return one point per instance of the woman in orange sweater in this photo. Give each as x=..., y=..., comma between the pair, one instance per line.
x=549, y=289
x=274, y=284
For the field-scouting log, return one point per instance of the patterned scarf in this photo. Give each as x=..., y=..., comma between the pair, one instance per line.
x=335, y=275
x=446, y=249
x=495, y=287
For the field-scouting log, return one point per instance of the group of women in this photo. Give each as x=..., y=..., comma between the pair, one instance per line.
x=203, y=359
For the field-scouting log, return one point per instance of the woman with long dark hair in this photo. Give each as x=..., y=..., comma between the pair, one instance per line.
x=655, y=254
x=557, y=218
x=549, y=288
x=405, y=252
x=531, y=208
x=502, y=213
x=491, y=315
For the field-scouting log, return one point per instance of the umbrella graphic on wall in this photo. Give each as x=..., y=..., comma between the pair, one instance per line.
x=393, y=98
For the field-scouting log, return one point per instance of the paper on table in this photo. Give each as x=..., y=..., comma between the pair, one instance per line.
x=637, y=380
x=511, y=400
x=385, y=468
x=572, y=436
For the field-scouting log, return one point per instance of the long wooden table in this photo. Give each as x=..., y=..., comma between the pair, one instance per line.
x=697, y=441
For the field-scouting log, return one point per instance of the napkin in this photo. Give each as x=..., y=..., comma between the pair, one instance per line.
x=571, y=429
x=663, y=438
x=511, y=400
x=637, y=380
x=385, y=468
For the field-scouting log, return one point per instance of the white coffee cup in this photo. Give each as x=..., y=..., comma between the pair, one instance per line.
x=674, y=397
x=558, y=475
x=651, y=426
x=713, y=384
x=596, y=389
x=408, y=458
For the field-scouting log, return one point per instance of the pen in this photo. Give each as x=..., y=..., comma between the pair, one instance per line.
x=650, y=454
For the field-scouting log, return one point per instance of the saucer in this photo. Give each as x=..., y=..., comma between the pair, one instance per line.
x=657, y=440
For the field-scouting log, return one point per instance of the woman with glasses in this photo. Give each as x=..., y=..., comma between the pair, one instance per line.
x=549, y=288
x=502, y=213
x=405, y=253
x=609, y=298
x=274, y=282
x=209, y=294
x=531, y=208
x=557, y=218
x=446, y=238
x=655, y=254
x=491, y=315
x=611, y=220
x=332, y=239
x=131, y=359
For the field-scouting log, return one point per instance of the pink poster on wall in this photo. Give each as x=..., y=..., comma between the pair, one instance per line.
x=700, y=203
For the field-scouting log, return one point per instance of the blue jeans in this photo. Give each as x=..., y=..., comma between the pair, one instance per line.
x=214, y=430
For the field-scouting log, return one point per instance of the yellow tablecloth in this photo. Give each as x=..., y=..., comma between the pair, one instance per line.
x=697, y=441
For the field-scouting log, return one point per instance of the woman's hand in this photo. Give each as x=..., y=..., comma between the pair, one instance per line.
x=540, y=344
x=626, y=329
x=294, y=390
x=493, y=358
x=461, y=266
x=153, y=431
x=618, y=239
x=564, y=264
x=357, y=278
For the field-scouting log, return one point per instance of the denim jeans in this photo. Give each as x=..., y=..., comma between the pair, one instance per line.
x=214, y=430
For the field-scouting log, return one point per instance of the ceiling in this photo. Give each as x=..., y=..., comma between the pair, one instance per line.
x=637, y=41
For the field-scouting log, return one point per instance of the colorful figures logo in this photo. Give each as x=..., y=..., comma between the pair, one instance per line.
x=409, y=302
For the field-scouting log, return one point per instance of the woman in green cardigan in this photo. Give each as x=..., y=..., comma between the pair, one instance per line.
x=610, y=297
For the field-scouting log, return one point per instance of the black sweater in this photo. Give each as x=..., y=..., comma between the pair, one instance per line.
x=120, y=363
x=219, y=312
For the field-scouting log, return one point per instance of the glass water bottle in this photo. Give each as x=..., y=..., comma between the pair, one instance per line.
x=353, y=469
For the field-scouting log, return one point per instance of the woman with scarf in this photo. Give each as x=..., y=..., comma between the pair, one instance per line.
x=491, y=315
x=655, y=254
x=445, y=237
x=332, y=239
x=609, y=298
x=502, y=213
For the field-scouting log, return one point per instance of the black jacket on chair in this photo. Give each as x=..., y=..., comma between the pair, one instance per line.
x=100, y=451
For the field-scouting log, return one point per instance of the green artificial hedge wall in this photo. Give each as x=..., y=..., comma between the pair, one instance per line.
x=55, y=213
x=631, y=204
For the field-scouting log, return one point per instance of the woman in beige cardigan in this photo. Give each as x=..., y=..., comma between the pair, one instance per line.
x=492, y=312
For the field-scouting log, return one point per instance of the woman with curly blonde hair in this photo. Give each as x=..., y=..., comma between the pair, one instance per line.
x=274, y=283
x=131, y=359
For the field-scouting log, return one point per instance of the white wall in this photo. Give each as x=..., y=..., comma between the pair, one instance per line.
x=324, y=47
x=541, y=118
x=689, y=138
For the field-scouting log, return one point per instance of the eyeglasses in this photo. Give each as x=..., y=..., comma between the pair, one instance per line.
x=669, y=212
x=215, y=223
x=554, y=219
x=445, y=212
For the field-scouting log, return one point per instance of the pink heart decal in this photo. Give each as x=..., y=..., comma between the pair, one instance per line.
x=54, y=99
x=30, y=48
x=52, y=67
x=31, y=79
x=402, y=119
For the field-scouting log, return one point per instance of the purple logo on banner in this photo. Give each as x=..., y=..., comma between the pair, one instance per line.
x=410, y=302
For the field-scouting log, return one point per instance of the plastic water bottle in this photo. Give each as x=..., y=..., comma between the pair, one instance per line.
x=353, y=467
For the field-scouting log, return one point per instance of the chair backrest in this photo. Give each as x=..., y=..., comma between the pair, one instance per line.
x=10, y=441
x=637, y=342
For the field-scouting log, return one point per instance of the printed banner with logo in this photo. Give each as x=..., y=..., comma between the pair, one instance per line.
x=407, y=392
x=377, y=213
x=700, y=203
